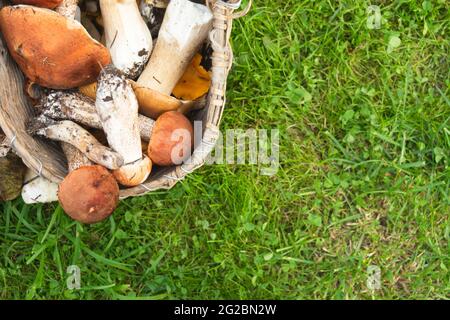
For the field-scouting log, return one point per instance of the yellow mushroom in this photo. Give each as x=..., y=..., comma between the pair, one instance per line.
x=194, y=83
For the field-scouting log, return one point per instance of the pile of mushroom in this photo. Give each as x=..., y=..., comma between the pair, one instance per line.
x=110, y=65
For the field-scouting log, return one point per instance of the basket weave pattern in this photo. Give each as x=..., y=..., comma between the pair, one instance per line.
x=46, y=157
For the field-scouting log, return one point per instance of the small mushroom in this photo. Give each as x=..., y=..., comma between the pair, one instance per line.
x=72, y=133
x=49, y=4
x=52, y=50
x=66, y=105
x=37, y=189
x=172, y=139
x=127, y=36
x=89, y=193
x=117, y=107
x=184, y=28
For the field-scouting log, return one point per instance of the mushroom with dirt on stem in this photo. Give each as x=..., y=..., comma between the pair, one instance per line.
x=127, y=36
x=72, y=133
x=89, y=193
x=71, y=105
x=117, y=106
x=171, y=133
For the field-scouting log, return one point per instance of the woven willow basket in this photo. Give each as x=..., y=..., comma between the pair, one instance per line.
x=46, y=157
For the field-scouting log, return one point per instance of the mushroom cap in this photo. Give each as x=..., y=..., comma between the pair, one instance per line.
x=52, y=50
x=89, y=194
x=172, y=137
x=50, y=4
x=153, y=103
x=135, y=173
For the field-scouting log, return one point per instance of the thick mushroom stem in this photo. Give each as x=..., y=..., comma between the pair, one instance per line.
x=70, y=132
x=117, y=107
x=89, y=193
x=127, y=36
x=184, y=28
x=37, y=189
x=64, y=105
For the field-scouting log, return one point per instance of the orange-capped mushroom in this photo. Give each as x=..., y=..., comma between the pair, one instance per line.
x=52, y=50
x=89, y=193
x=195, y=81
x=172, y=139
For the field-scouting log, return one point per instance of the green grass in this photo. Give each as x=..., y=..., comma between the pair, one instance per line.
x=363, y=180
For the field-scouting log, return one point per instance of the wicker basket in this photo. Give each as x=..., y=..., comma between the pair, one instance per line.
x=47, y=158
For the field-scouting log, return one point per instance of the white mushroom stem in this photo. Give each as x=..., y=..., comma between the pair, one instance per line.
x=69, y=9
x=72, y=133
x=37, y=189
x=184, y=28
x=75, y=158
x=66, y=105
x=127, y=36
x=117, y=107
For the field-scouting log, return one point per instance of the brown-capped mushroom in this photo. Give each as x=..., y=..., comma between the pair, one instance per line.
x=172, y=139
x=89, y=193
x=52, y=50
x=72, y=133
x=117, y=107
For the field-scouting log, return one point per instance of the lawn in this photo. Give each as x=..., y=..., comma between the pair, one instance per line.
x=363, y=115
